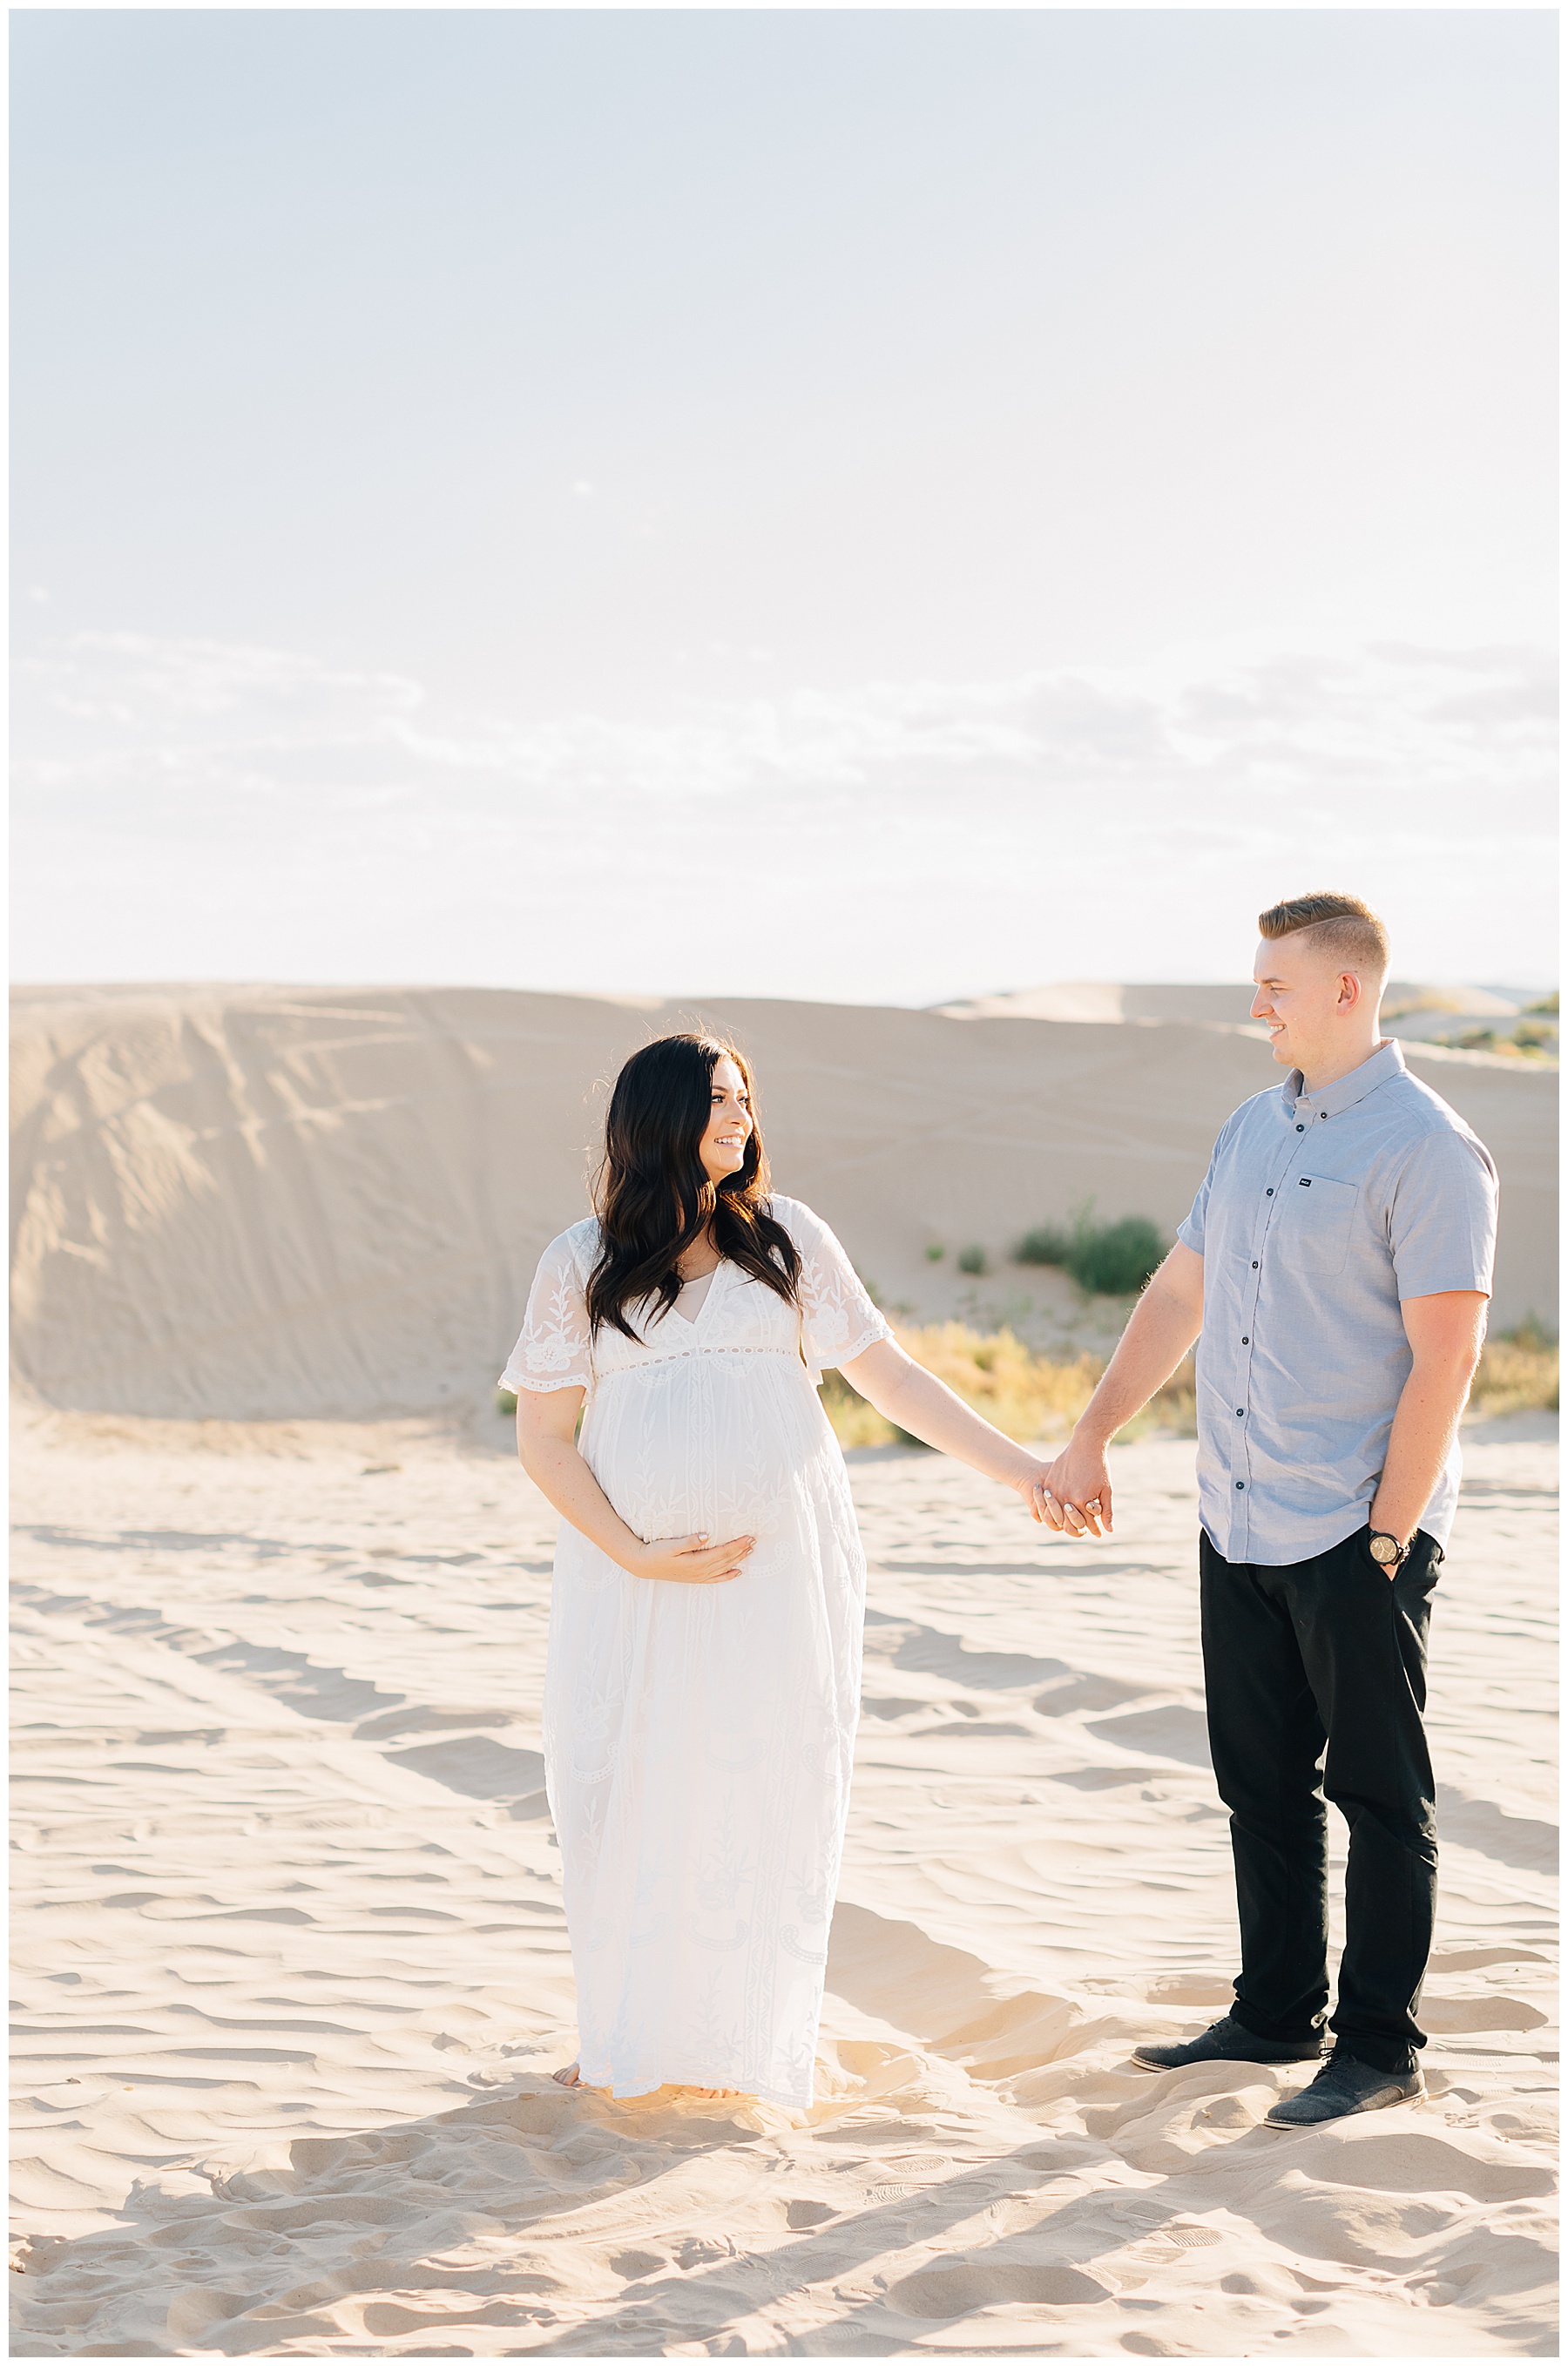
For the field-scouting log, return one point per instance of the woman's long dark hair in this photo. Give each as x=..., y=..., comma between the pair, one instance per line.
x=653, y=1196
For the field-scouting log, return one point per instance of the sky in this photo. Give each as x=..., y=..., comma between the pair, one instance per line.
x=872, y=506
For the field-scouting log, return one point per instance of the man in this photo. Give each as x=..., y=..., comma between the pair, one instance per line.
x=1335, y=1271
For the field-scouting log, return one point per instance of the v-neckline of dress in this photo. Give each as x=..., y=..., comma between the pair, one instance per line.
x=694, y=1321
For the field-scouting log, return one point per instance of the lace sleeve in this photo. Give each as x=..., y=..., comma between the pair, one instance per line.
x=838, y=1319
x=554, y=1348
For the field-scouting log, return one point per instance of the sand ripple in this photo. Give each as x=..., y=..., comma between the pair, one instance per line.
x=293, y=1970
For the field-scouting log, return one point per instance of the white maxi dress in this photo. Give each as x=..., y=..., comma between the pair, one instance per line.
x=698, y=1739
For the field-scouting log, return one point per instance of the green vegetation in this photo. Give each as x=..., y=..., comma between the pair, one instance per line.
x=971, y=1260
x=1529, y=1040
x=1047, y=1245
x=1545, y=1009
x=935, y=1253
x=1113, y=1259
x=505, y=1402
x=1475, y=1039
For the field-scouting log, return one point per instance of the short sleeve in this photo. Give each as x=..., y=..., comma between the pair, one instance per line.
x=1190, y=1233
x=554, y=1348
x=1442, y=1217
x=838, y=1319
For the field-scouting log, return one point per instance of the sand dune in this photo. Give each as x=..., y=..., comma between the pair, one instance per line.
x=292, y=1966
x=247, y=1202
x=1407, y=1008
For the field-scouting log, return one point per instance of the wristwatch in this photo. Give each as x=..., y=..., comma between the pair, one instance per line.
x=1385, y=1549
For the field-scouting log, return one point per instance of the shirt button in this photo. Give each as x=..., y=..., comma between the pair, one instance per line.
x=1244, y=1340
x=1301, y=1129
x=1240, y=1412
x=1255, y=1264
x=1269, y=1193
x=1239, y=1486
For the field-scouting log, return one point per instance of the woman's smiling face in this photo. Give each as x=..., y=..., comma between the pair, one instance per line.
x=723, y=1147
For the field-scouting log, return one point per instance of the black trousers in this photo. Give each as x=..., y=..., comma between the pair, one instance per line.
x=1316, y=1677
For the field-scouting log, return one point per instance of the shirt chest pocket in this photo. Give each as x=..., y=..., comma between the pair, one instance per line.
x=1317, y=1216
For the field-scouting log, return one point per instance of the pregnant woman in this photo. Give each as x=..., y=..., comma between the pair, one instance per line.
x=703, y=1681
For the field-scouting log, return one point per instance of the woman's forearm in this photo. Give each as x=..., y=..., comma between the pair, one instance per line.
x=915, y=1400
x=562, y=1477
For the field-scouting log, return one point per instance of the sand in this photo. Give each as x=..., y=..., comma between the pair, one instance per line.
x=292, y=1961
x=292, y=1965
x=273, y=1202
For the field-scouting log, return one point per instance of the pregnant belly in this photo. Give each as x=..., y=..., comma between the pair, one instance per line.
x=724, y=1443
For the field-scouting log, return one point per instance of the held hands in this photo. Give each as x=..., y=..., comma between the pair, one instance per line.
x=1073, y=1495
x=691, y=1560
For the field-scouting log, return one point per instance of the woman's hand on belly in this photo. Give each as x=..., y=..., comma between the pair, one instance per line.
x=691, y=1560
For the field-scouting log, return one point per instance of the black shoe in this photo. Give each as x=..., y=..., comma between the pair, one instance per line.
x=1226, y=2041
x=1343, y=2086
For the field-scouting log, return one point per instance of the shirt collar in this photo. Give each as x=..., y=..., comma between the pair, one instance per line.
x=1387, y=1061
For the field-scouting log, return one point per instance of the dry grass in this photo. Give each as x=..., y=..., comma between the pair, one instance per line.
x=1517, y=1373
x=1025, y=1395
x=1029, y=1397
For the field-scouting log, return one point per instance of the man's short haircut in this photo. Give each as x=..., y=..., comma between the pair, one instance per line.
x=1341, y=925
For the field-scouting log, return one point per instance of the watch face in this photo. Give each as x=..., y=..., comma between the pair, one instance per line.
x=1385, y=1549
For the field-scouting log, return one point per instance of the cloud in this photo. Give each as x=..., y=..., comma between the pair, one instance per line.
x=952, y=812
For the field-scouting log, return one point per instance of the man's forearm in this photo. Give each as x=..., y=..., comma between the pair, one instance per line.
x=1425, y=1421
x=1162, y=1329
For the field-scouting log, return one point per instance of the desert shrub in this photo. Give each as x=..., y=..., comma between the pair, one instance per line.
x=1545, y=1009
x=935, y=1253
x=971, y=1260
x=1113, y=1259
x=1518, y=1372
x=1528, y=1042
x=1117, y=1258
x=1047, y=1245
x=505, y=1402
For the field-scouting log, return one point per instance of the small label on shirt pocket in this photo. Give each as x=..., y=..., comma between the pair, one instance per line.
x=1320, y=1216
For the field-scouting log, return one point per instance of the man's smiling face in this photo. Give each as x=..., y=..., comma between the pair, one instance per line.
x=1306, y=998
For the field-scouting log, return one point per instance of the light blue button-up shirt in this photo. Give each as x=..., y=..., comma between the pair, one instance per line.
x=1319, y=1213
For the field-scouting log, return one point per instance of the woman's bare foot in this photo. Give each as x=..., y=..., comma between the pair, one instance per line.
x=569, y=2077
